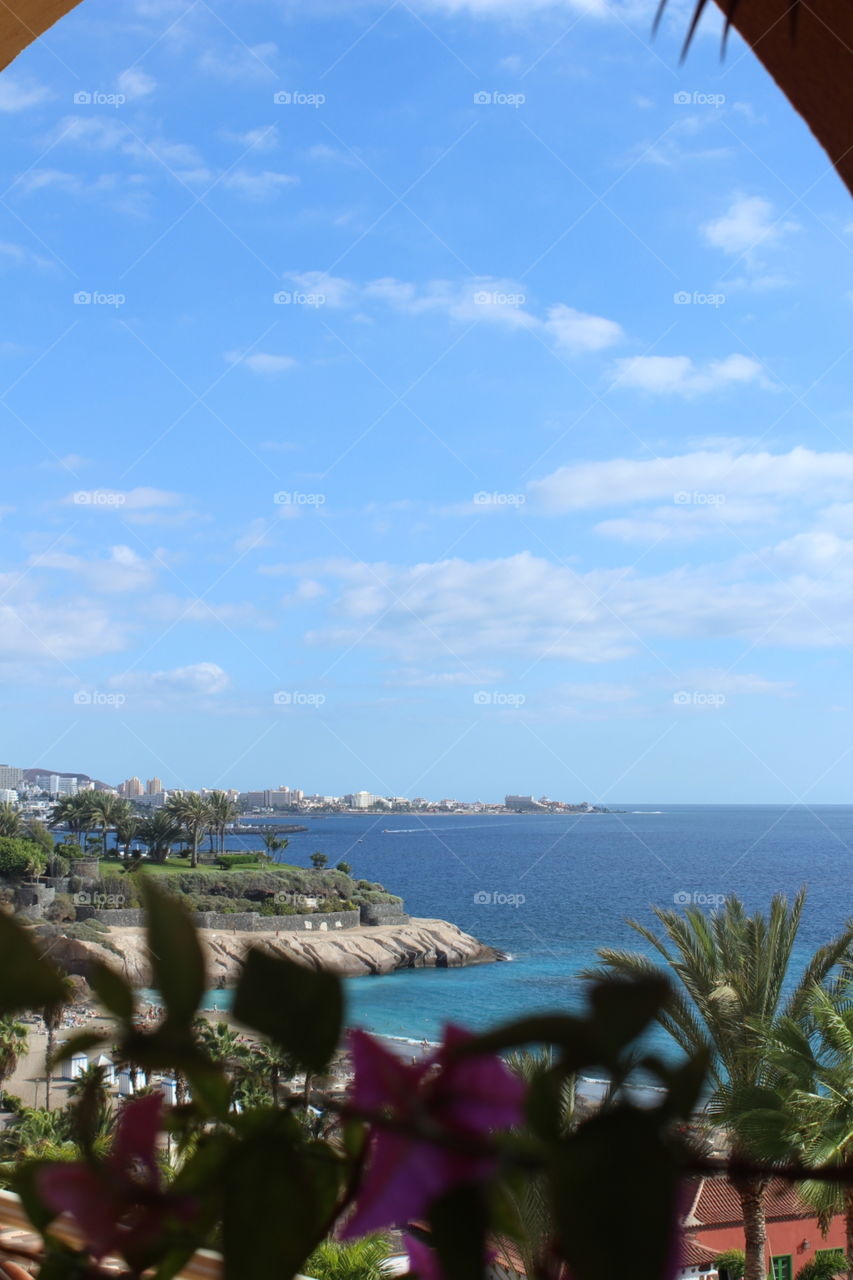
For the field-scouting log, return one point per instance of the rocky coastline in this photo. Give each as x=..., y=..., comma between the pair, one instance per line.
x=357, y=952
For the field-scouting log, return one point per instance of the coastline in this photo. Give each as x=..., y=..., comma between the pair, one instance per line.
x=357, y=952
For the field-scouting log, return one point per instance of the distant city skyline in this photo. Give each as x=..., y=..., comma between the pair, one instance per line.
x=418, y=398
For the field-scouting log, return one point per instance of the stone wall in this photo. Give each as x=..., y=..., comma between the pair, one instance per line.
x=383, y=913
x=120, y=917
x=252, y=922
x=247, y=921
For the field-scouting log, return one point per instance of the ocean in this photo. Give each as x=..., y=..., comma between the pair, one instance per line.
x=549, y=890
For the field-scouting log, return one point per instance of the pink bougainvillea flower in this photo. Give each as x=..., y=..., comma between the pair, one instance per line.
x=121, y=1203
x=459, y=1099
x=423, y=1261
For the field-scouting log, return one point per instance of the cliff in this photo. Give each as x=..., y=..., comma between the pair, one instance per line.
x=420, y=944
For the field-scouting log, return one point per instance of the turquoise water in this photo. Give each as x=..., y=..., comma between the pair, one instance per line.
x=562, y=886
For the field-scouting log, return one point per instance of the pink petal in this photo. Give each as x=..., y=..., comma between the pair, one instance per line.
x=136, y=1135
x=476, y=1094
x=382, y=1078
x=402, y=1177
x=77, y=1189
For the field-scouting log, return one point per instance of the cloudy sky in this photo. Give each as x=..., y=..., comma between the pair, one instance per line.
x=442, y=397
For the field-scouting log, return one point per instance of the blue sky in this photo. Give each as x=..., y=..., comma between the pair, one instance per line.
x=438, y=398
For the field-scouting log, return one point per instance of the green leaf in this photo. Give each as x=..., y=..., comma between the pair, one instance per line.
x=279, y=1194
x=114, y=991
x=177, y=961
x=459, y=1222
x=619, y=1157
x=300, y=1009
x=27, y=980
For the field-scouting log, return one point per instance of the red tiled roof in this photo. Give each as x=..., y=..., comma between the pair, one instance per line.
x=718, y=1204
x=693, y=1254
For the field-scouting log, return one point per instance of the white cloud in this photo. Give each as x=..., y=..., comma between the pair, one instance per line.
x=257, y=186
x=201, y=679
x=491, y=299
x=679, y=375
x=135, y=83
x=121, y=570
x=61, y=630
x=143, y=505
x=263, y=362
x=575, y=331
x=17, y=255
x=749, y=223
x=802, y=473
x=18, y=94
x=240, y=61
x=717, y=680
x=264, y=138
x=524, y=606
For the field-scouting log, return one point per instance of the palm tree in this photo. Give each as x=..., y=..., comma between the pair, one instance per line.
x=75, y=813
x=365, y=1259
x=127, y=824
x=13, y=1045
x=159, y=833
x=811, y=1116
x=52, y=1015
x=273, y=843
x=733, y=985
x=10, y=819
x=106, y=809
x=193, y=813
x=222, y=811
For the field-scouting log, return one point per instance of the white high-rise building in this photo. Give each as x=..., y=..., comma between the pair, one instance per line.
x=10, y=776
x=8, y=796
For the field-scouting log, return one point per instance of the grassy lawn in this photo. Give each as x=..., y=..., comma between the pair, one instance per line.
x=183, y=864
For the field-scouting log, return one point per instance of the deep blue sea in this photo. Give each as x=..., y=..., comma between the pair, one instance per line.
x=550, y=890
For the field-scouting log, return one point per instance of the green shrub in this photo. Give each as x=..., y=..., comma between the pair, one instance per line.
x=732, y=1262
x=228, y=860
x=19, y=858
x=830, y=1264
x=62, y=908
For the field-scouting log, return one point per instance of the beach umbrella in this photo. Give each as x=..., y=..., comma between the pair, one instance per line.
x=108, y=1067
